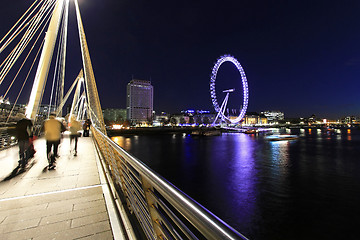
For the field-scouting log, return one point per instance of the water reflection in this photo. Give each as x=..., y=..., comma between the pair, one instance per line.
x=280, y=154
x=243, y=175
x=278, y=170
x=302, y=132
x=124, y=142
x=349, y=134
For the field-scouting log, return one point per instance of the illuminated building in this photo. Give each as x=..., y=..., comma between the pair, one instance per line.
x=273, y=116
x=45, y=110
x=114, y=114
x=139, y=104
x=255, y=119
x=6, y=108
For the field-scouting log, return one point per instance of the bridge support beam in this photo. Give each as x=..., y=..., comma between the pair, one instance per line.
x=45, y=61
x=94, y=106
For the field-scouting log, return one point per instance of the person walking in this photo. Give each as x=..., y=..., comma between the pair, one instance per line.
x=24, y=132
x=86, y=127
x=53, y=129
x=75, y=126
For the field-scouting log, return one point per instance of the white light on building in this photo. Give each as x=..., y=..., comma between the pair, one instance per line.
x=273, y=115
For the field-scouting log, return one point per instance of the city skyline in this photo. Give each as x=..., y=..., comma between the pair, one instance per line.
x=299, y=58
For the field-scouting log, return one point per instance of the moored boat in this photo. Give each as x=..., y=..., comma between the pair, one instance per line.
x=282, y=137
x=251, y=131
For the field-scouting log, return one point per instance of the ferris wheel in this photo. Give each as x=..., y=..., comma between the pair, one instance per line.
x=221, y=110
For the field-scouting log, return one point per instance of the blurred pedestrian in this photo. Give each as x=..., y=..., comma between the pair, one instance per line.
x=75, y=126
x=53, y=129
x=86, y=127
x=24, y=132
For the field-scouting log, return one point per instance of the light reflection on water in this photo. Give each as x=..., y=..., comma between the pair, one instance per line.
x=122, y=141
x=280, y=153
x=267, y=190
x=242, y=178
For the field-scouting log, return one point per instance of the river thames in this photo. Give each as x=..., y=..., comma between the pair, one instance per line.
x=307, y=188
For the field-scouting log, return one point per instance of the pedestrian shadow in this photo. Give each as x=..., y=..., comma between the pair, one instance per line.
x=13, y=174
x=18, y=170
x=47, y=169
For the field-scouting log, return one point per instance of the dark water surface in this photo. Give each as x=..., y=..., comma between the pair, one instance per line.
x=307, y=188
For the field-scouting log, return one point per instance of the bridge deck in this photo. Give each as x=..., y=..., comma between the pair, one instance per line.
x=69, y=202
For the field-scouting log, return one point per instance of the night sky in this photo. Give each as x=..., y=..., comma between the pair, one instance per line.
x=300, y=57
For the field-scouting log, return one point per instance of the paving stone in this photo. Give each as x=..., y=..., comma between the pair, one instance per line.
x=72, y=215
x=77, y=233
x=92, y=204
x=2, y=219
x=37, y=214
x=44, y=230
x=19, y=209
x=103, y=236
x=82, y=221
x=19, y=225
x=18, y=203
x=78, y=200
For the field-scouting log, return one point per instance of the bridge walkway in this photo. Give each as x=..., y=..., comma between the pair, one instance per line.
x=70, y=202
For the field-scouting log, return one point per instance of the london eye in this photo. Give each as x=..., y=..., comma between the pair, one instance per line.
x=221, y=109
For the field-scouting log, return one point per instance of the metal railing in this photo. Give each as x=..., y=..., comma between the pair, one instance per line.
x=161, y=209
x=7, y=137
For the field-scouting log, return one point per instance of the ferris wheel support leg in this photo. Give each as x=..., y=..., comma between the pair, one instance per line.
x=222, y=109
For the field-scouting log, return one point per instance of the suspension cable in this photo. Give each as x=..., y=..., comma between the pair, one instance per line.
x=11, y=38
x=31, y=23
x=33, y=28
x=63, y=54
x=58, y=67
x=42, y=30
x=22, y=87
x=54, y=79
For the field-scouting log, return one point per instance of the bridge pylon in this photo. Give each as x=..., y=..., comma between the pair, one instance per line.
x=45, y=61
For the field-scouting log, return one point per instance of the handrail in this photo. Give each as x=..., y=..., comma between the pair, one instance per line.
x=7, y=137
x=163, y=211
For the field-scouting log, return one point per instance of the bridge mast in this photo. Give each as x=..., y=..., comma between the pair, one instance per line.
x=45, y=61
x=63, y=56
x=76, y=94
x=91, y=89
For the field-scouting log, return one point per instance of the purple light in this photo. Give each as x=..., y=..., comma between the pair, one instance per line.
x=221, y=60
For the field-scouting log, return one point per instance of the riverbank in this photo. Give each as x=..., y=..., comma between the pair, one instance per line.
x=148, y=130
x=210, y=130
x=157, y=130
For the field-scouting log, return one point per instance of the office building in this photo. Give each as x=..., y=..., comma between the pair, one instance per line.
x=139, y=104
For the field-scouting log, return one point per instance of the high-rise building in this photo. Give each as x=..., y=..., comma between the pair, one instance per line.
x=139, y=104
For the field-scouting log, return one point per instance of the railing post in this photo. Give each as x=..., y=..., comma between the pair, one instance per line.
x=152, y=206
x=125, y=191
